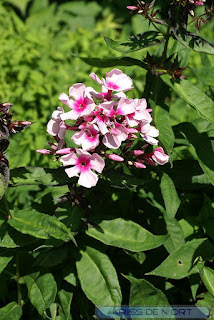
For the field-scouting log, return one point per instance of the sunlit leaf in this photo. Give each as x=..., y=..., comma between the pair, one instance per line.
x=179, y=264
x=98, y=278
x=12, y=311
x=42, y=290
x=193, y=96
x=125, y=234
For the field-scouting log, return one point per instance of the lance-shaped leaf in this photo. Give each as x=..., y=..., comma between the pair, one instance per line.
x=4, y=260
x=204, y=148
x=143, y=293
x=163, y=124
x=193, y=96
x=195, y=42
x=12, y=311
x=37, y=175
x=112, y=62
x=39, y=225
x=135, y=43
x=41, y=290
x=65, y=298
x=170, y=196
x=180, y=263
x=204, y=74
x=98, y=277
x=207, y=276
x=176, y=236
x=125, y=234
x=4, y=177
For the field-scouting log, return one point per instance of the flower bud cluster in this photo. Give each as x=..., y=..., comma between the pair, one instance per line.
x=102, y=122
x=8, y=127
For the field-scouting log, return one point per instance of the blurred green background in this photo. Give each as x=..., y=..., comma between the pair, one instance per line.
x=38, y=38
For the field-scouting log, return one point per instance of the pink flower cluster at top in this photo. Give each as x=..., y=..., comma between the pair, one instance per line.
x=197, y=3
x=102, y=121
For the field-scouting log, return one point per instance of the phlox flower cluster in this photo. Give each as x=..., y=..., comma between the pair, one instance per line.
x=105, y=125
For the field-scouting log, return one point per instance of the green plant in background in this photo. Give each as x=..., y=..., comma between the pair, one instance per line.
x=139, y=237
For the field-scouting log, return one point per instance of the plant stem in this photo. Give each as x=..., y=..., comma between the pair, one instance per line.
x=194, y=19
x=167, y=37
x=19, y=289
x=163, y=58
x=6, y=206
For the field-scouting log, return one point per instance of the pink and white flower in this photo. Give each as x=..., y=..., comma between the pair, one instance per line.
x=82, y=105
x=82, y=165
x=197, y=3
x=116, y=80
x=88, y=137
x=149, y=133
x=159, y=156
x=117, y=135
x=56, y=126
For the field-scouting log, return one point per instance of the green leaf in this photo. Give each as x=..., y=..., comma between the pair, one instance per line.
x=81, y=8
x=39, y=225
x=203, y=125
x=207, y=276
x=176, y=236
x=163, y=124
x=193, y=96
x=143, y=293
x=112, y=62
x=65, y=299
x=12, y=311
x=135, y=43
x=170, y=196
x=70, y=274
x=37, y=176
x=196, y=43
x=204, y=148
x=125, y=234
x=194, y=282
x=42, y=290
x=204, y=74
x=179, y=264
x=20, y=4
x=4, y=178
x=4, y=260
x=98, y=278
x=52, y=258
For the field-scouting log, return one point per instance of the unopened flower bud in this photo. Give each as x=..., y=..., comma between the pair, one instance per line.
x=139, y=165
x=44, y=151
x=138, y=153
x=64, y=151
x=114, y=157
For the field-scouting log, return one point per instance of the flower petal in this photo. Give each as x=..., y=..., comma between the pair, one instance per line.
x=72, y=172
x=88, y=179
x=97, y=162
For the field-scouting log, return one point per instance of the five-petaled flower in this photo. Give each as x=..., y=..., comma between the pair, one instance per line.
x=82, y=164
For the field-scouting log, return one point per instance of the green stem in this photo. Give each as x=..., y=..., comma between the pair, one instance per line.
x=193, y=20
x=19, y=289
x=6, y=206
x=167, y=37
x=163, y=58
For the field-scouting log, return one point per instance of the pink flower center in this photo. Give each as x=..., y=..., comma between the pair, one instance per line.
x=83, y=163
x=80, y=105
x=112, y=85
